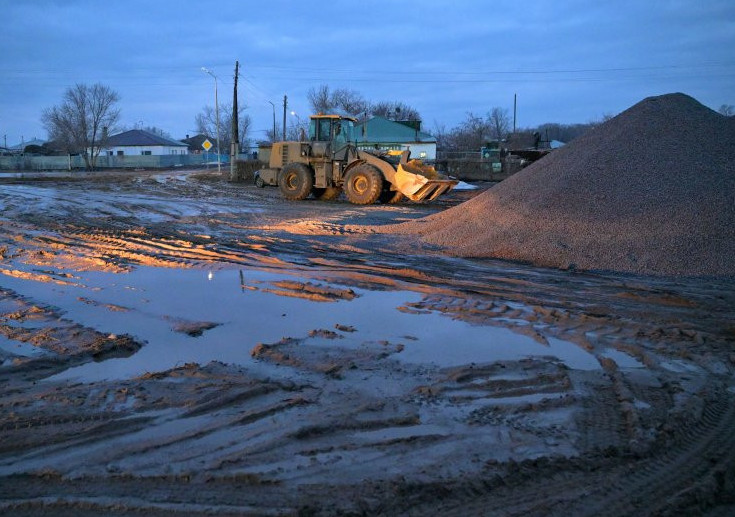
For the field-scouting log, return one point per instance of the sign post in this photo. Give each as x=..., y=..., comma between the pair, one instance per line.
x=207, y=145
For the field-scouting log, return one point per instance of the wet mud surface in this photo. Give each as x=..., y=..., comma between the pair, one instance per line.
x=174, y=344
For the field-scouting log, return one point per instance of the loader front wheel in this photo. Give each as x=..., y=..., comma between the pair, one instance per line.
x=326, y=194
x=295, y=181
x=390, y=197
x=363, y=184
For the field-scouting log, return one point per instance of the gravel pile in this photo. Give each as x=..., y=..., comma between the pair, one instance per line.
x=650, y=191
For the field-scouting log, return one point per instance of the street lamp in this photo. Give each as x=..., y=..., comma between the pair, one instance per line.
x=298, y=121
x=216, y=110
x=274, y=120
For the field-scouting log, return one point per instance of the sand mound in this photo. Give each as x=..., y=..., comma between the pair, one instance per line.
x=650, y=191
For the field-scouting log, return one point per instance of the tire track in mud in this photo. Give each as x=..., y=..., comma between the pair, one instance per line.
x=600, y=422
x=695, y=472
x=334, y=443
x=156, y=418
x=140, y=247
x=697, y=469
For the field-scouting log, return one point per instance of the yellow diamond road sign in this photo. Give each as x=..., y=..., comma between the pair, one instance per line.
x=207, y=145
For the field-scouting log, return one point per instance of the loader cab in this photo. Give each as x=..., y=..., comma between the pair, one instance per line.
x=335, y=129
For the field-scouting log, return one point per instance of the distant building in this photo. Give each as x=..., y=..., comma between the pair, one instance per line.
x=556, y=144
x=20, y=148
x=195, y=143
x=138, y=142
x=383, y=134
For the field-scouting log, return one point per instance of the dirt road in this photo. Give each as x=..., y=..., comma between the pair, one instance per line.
x=173, y=344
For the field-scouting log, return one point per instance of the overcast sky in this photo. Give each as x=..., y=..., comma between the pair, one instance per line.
x=567, y=61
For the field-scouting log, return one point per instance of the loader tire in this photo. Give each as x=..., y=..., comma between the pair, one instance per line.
x=295, y=181
x=326, y=194
x=363, y=184
x=390, y=197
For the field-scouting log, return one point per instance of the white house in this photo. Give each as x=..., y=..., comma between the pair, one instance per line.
x=138, y=142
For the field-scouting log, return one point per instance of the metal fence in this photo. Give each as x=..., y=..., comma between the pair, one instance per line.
x=471, y=166
x=59, y=163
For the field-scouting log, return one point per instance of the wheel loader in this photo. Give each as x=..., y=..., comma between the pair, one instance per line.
x=329, y=162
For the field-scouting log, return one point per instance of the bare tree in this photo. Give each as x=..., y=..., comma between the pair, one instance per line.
x=350, y=102
x=206, y=124
x=82, y=122
x=157, y=131
x=499, y=123
x=296, y=132
x=394, y=111
x=320, y=100
x=727, y=109
x=442, y=136
x=274, y=134
x=470, y=135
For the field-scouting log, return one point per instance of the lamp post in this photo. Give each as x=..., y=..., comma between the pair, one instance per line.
x=298, y=120
x=274, y=120
x=216, y=110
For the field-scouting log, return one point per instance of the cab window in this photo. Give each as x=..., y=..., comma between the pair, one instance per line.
x=324, y=134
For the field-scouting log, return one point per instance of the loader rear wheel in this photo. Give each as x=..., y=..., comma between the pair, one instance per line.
x=326, y=194
x=363, y=184
x=295, y=181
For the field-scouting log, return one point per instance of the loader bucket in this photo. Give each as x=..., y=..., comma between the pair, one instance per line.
x=411, y=180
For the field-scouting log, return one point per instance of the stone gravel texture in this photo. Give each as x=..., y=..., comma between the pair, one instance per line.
x=651, y=191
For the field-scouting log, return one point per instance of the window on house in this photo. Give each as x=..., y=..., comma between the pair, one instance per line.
x=120, y=153
x=145, y=153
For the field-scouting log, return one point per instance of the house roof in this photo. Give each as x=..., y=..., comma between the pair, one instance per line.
x=195, y=142
x=23, y=145
x=141, y=137
x=381, y=129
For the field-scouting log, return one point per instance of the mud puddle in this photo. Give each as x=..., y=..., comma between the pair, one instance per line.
x=198, y=316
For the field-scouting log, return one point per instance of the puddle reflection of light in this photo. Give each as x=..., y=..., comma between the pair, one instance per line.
x=158, y=300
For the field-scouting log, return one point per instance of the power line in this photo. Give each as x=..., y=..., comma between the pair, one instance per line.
x=505, y=72
x=164, y=71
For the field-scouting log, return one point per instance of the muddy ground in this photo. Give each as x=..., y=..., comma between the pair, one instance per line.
x=174, y=344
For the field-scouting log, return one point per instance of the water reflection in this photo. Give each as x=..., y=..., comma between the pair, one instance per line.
x=234, y=310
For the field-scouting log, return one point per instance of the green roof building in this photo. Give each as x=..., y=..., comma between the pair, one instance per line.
x=383, y=134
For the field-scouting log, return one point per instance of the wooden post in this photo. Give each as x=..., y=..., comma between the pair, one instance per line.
x=234, y=144
x=285, y=105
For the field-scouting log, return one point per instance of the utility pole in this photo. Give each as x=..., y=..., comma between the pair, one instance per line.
x=234, y=145
x=285, y=105
x=274, y=120
x=515, y=103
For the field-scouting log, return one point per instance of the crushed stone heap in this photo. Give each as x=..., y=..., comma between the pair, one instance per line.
x=651, y=191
